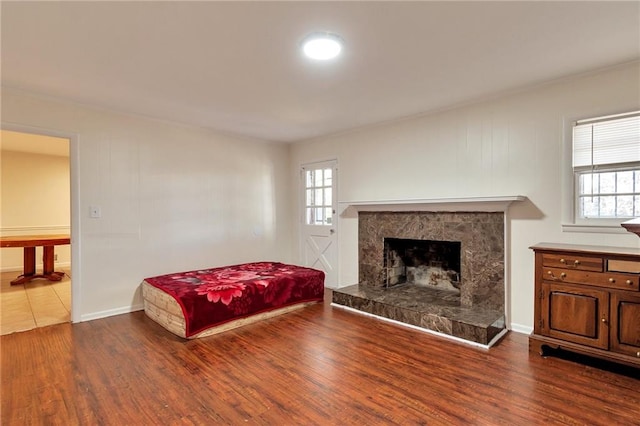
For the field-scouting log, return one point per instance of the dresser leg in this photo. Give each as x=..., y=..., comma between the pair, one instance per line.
x=537, y=346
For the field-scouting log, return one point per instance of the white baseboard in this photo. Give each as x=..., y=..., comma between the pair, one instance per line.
x=519, y=328
x=111, y=312
x=11, y=268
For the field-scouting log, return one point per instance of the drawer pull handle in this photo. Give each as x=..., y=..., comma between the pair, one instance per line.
x=629, y=282
x=638, y=354
x=611, y=280
x=576, y=262
x=604, y=320
x=553, y=277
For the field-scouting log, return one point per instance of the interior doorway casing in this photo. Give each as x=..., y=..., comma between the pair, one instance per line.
x=74, y=160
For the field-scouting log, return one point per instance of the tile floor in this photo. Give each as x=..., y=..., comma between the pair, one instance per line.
x=36, y=304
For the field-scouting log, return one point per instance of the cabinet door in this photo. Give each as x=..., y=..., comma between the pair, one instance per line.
x=625, y=323
x=576, y=314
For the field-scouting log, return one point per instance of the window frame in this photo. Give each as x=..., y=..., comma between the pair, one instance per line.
x=571, y=220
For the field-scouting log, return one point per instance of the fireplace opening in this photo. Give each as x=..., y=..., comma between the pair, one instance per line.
x=426, y=263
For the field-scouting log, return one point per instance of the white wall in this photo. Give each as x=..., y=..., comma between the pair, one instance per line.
x=512, y=145
x=172, y=197
x=35, y=197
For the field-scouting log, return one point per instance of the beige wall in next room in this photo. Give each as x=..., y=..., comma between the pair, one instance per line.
x=35, y=195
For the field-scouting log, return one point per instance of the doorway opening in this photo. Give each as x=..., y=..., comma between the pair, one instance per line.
x=35, y=187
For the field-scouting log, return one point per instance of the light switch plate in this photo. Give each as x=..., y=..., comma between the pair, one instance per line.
x=95, y=212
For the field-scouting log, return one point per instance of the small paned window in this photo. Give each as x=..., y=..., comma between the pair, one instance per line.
x=606, y=167
x=318, y=196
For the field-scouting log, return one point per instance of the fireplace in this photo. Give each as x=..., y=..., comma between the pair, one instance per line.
x=441, y=271
x=427, y=263
x=481, y=239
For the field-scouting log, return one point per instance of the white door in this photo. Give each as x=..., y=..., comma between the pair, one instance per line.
x=319, y=222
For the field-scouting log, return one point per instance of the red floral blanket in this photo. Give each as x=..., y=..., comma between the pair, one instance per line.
x=214, y=296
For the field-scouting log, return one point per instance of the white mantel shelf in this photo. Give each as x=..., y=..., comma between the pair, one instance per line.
x=462, y=204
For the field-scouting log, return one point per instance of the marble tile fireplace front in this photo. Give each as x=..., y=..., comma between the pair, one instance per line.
x=465, y=249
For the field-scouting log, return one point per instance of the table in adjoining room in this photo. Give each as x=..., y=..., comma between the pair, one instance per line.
x=29, y=243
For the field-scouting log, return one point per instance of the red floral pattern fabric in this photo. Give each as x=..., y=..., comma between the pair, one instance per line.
x=214, y=296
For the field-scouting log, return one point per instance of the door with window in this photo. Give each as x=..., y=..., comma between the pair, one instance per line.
x=319, y=234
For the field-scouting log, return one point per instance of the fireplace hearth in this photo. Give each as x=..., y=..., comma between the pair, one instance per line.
x=441, y=271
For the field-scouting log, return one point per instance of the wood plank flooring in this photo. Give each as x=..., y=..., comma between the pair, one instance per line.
x=318, y=366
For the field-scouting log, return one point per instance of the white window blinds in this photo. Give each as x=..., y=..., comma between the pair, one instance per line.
x=607, y=141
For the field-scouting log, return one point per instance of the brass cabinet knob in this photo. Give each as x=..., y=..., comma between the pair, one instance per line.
x=629, y=282
x=562, y=275
x=638, y=354
x=576, y=262
x=604, y=320
x=563, y=261
x=549, y=273
x=611, y=280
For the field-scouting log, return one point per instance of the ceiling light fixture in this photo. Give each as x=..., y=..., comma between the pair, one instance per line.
x=322, y=45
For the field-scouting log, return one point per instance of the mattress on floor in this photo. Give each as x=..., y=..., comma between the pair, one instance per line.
x=204, y=302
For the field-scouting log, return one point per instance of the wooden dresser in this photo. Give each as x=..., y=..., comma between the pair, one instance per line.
x=587, y=300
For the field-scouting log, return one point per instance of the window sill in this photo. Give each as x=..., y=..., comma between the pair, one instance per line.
x=594, y=228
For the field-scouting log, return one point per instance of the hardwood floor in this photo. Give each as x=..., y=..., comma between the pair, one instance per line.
x=318, y=366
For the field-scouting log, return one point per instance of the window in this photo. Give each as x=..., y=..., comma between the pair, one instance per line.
x=606, y=167
x=318, y=196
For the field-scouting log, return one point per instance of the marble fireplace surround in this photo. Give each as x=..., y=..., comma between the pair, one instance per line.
x=477, y=314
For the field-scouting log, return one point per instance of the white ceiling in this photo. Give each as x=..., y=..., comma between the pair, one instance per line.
x=236, y=66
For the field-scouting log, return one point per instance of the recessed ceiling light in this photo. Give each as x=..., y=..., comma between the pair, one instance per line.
x=322, y=45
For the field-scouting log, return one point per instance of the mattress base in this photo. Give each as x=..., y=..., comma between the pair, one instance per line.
x=165, y=310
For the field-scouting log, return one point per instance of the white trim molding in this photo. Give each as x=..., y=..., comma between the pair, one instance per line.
x=594, y=229
x=111, y=312
x=461, y=204
x=7, y=231
x=522, y=329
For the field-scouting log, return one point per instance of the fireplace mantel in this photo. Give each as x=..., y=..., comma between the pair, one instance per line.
x=462, y=204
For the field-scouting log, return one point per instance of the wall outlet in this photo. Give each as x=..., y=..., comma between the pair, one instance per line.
x=55, y=257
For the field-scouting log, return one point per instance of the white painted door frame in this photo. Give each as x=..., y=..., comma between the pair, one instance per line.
x=74, y=171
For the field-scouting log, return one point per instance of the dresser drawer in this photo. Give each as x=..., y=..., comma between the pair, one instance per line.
x=631, y=266
x=600, y=279
x=569, y=261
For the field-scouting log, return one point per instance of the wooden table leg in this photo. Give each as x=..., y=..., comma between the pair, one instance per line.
x=29, y=267
x=47, y=260
x=47, y=265
x=29, y=261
